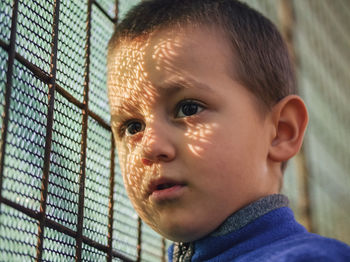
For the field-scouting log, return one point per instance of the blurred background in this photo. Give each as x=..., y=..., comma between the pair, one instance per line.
x=61, y=192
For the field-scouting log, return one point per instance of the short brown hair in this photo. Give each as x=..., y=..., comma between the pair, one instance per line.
x=262, y=62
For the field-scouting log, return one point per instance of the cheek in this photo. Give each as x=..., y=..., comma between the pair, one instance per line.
x=222, y=151
x=133, y=182
x=122, y=154
x=200, y=138
x=132, y=174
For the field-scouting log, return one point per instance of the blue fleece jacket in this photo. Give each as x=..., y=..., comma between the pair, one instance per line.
x=273, y=236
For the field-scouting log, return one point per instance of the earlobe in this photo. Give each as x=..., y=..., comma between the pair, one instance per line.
x=290, y=119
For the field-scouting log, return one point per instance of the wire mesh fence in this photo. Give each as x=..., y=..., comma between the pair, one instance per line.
x=61, y=191
x=322, y=42
x=320, y=36
x=62, y=197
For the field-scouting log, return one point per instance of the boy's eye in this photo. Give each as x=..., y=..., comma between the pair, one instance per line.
x=188, y=108
x=133, y=127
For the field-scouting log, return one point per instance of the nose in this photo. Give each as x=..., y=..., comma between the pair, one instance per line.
x=157, y=145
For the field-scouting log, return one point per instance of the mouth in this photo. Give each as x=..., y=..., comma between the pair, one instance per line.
x=165, y=186
x=165, y=189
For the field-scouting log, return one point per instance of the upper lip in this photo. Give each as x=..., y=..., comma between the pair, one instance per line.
x=156, y=183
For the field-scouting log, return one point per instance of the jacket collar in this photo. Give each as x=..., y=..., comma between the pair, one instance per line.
x=183, y=252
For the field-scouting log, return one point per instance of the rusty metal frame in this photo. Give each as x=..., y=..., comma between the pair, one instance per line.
x=287, y=19
x=48, y=138
x=83, y=143
x=11, y=49
x=50, y=80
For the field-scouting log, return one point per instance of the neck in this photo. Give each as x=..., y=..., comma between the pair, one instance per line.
x=251, y=212
x=239, y=219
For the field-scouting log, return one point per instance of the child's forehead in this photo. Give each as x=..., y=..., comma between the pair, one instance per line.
x=131, y=56
x=139, y=65
x=167, y=43
x=172, y=51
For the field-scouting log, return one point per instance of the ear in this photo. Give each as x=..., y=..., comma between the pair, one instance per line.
x=290, y=119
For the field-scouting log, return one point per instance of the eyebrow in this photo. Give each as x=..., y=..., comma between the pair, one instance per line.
x=166, y=89
x=123, y=109
x=176, y=86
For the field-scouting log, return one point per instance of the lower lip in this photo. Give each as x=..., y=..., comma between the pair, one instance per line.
x=167, y=194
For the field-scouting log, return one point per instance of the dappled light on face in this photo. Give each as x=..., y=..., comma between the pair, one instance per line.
x=200, y=131
x=196, y=150
x=199, y=136
x=132, y=172
x=164, y=52
x=130, y=94
x=126, y=78
x=186, y=133
x=156, y=118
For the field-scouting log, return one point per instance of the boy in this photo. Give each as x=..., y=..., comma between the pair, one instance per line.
x=205, y=116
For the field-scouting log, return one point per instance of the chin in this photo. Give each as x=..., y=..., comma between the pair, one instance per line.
x=182, y=232
x=181, y=236
x=182, y=225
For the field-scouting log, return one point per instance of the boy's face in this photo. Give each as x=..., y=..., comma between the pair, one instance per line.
x=192, y=143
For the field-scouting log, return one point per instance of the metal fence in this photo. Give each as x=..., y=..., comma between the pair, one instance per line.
x=317, y=181
x=322, y=40
x=62, y=197
x=61, y=192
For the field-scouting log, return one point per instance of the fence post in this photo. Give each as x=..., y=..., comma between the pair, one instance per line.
x=11, y=59
x=287, y=21
x=48, y=137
